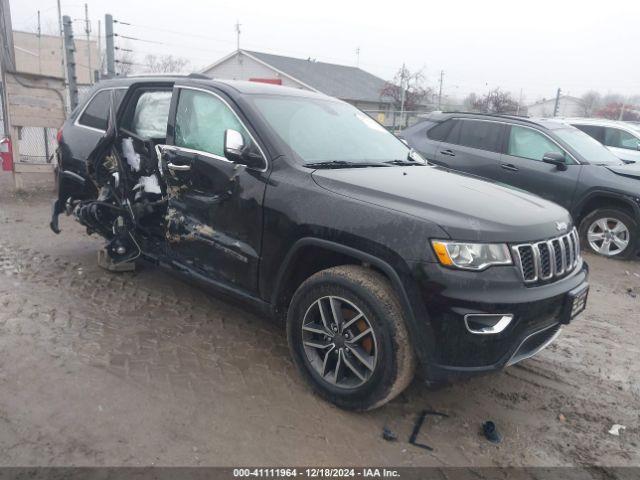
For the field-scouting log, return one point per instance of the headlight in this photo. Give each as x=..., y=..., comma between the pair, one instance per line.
x=471, y=256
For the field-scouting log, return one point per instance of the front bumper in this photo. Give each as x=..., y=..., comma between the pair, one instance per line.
x=449, y=295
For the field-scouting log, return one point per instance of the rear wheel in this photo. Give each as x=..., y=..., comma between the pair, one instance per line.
x=609, y=232
x=347, y=336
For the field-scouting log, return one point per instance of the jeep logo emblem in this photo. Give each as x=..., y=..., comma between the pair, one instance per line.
x=560, y=226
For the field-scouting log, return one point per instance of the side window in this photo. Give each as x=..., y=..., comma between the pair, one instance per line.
x=615, y=137
x=97, y=112
x=454, y=132
x=528, y=143
x=201, y=120
x=593, y=131
x=119, y=95
x=152, y=114
x=480, y=134
x=440, y=130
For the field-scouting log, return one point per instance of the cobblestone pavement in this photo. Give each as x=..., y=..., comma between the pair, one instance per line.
x=140, y=368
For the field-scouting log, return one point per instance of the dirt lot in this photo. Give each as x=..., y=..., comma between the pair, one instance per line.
x=143, y=369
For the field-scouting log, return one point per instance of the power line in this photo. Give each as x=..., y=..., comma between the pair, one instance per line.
x=175, y=32
x=230, y=42
x=157, y=42
x=138, y=39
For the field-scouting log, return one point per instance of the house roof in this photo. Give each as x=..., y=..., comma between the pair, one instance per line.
x=562, y=97
x=341, y=81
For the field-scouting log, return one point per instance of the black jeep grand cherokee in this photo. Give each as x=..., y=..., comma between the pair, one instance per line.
x=304, y=207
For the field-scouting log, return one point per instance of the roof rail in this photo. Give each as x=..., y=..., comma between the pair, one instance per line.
x=499, y=115
x=171, y=75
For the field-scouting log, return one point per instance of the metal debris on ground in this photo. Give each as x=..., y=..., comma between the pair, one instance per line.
x=388, y=435
x=491, y=432
x=418, y=425
x=616, y=428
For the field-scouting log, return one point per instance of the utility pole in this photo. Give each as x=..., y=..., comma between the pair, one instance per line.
x=7, y=64
x=69, y=49
x=402, y=92
x=440, y=92
x=238, y=24
x=111, y=54
x=556, y=107
x=624, y=104
x=39, y=44
x=63, y=62
x=87, y=30
x=99, y=71
x=519, y=103
x=358, y=57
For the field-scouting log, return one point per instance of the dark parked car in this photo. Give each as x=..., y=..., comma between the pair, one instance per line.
x=549, y=158
x=303, y=207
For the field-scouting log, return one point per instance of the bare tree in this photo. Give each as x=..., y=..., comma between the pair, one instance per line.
x=612, y=98
x=619, y=111
x=496, y=101
x=125, y=63
x=414, y=89
x=470, y=101
x=165, y=64
x=590, y=102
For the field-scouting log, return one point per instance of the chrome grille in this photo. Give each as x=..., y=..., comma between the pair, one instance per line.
x=548, y=260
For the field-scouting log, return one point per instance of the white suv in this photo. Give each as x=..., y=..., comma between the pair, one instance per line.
x=622, y=138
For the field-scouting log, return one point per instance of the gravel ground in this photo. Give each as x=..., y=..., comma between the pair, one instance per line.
x=140, y=368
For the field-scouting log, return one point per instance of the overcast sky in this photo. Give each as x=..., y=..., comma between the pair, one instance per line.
x=536, y=46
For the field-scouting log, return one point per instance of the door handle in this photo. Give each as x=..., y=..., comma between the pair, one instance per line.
x=510, y=167
x=178, y=168
x=448, y=153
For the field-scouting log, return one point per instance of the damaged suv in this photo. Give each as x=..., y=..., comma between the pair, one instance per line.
x=305, y=208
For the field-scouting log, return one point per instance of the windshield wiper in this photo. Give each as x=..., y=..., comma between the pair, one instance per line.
x=343, y=164
x=409, y=163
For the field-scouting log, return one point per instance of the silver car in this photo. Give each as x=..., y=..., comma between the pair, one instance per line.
x=622, y=138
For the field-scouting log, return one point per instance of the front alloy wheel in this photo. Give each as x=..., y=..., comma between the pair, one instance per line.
x=347, y=335
x=339, y=342
x=608, y=236
x=610, y=232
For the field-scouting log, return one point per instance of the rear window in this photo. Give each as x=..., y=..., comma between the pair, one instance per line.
x=480, y=134
x=594, y=130
x=97, y=111
x=96, y=114
x=440, y=131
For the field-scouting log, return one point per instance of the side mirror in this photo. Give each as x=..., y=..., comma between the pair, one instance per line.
x=555, y=158
x=236, y=151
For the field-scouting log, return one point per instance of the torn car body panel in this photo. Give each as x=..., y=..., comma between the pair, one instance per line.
x=145, y=194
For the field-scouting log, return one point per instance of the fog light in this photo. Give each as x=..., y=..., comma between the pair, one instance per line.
x=487, y=323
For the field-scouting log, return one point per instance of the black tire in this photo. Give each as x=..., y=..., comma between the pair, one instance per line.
x=611, y=213
x=370, y=292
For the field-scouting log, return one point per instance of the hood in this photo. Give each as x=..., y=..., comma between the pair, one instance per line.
x=631, y=170
x=464, y=206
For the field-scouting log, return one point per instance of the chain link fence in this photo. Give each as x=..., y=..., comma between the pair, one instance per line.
x=37, y=144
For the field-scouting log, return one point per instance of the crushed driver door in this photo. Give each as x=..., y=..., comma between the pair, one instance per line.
x=214, y=211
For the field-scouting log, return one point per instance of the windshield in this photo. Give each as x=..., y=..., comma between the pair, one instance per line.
x=588, y=147
x=319, y=130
